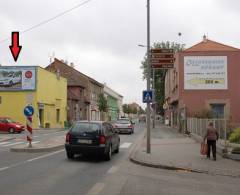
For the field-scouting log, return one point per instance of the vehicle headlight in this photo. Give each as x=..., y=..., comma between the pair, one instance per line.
x=18, y=126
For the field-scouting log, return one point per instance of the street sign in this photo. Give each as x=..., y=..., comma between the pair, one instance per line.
x=147, y=96
x=162, y=58
x=28, y=111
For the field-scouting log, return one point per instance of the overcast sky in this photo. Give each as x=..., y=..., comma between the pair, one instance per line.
x=101, y=37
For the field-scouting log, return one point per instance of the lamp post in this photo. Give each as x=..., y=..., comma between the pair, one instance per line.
x=148, y=79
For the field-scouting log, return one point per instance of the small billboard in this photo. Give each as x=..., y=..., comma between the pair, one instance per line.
x=17, y=78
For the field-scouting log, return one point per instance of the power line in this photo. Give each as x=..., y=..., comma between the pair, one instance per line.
x=49, y=20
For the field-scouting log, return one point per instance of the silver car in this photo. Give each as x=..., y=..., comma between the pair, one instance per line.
x=124, y=126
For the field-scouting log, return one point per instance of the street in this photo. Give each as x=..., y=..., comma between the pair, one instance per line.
x=52, y=173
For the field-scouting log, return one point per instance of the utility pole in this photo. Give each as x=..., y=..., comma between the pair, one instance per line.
x=148, y=79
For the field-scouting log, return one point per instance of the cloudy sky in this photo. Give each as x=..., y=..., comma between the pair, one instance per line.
x=101, y=37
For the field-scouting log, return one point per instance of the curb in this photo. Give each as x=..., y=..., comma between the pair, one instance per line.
x=133, y=159
x=36, y=150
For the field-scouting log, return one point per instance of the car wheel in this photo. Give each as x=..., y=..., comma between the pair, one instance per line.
x=108, y=156
x=132, y=131
x=70, y=155
x=11, y=130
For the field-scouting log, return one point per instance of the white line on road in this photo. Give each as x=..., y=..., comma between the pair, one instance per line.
x=113, y=169
x=96, y=189
x=44, y=156
x=35, y=136
x=3, y=168
x=126, y=145
x=35, y=142
x=12, y=144
x=2, y=143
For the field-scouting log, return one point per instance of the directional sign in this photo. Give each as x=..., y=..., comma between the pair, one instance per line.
x=28, y=111
x=162, y=58
x=147, y=96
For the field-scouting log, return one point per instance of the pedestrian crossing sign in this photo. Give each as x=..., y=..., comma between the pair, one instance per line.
x=147, y=96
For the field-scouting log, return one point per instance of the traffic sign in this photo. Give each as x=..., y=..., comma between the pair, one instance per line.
x=147, y=96
x=162, y=58
x=28, y=111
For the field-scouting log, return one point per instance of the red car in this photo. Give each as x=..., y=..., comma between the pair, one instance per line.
x=7, y=125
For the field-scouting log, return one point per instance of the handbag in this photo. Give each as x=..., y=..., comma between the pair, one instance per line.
x=203, y=149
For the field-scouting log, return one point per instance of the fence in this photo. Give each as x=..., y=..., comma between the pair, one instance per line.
x=199, y=126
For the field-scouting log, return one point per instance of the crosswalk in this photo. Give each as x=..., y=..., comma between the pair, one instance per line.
x=12, y=143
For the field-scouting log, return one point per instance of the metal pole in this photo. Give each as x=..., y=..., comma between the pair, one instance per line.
x=154, y=99
x=148, y=78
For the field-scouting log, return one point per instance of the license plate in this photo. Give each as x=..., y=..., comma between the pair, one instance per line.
x=84, y=141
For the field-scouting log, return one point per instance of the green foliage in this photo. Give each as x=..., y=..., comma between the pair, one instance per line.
x=159, y=76
x=236, y=150
x=102, y=103
x=235, y=136
x=125, y=108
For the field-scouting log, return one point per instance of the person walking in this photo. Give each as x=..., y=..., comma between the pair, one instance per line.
x=212, y=137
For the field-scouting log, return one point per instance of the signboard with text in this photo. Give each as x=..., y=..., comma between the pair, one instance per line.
x=162, y=58
x=205, y=72
x=17, y=78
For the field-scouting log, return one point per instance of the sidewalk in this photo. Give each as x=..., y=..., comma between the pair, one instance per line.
x=47, y=145
x=171, y=150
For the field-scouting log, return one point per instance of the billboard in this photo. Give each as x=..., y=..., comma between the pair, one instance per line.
x=205, y=72
x=17, y=78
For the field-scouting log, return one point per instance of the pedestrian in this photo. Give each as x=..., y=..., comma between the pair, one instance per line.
x=212, y=137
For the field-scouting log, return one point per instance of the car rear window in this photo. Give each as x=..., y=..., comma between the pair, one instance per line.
x=85, y=127
x=123, y=121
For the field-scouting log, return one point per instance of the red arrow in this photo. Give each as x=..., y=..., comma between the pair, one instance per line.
x=15, y=48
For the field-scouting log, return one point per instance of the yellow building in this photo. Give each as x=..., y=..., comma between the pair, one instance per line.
x=45, y=91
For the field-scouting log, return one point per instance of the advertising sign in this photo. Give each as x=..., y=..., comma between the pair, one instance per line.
x=205, y=72
x=13, y=78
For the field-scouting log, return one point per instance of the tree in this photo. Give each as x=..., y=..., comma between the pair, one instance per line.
x=160, y=73
x=125, y=108
x=102, y=103
x=134, y=110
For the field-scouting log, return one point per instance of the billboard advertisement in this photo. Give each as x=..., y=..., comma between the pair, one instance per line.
x=205, y=72
x=13, y=78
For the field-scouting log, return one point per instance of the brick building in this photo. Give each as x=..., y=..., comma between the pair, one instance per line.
x=204, y=79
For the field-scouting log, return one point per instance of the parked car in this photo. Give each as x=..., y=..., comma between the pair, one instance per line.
x=124, y=125
x=8, y=125
x=92, y=137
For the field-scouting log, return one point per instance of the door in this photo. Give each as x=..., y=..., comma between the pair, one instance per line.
x=3, y=125
x=41, y=117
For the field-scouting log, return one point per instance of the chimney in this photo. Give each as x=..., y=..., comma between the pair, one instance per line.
x=58, y=74
x=72, y=64
x=204, y=38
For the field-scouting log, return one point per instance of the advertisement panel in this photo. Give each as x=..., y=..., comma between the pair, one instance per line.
x=13, y=78
x=205, y=72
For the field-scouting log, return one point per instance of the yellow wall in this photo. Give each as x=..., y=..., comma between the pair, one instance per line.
x=50, y=91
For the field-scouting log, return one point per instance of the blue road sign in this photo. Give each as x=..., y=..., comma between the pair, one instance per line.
x=28, y=111
x=147, y=96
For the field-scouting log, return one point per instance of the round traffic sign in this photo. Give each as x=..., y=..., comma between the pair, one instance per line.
x=28, y=111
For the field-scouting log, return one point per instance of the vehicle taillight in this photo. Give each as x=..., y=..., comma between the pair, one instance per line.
x=102, y=139
x=130, y=126
x=68, y=137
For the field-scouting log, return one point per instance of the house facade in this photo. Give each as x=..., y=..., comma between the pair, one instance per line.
x=32, y=85
x=204, y=80
x=78, y=90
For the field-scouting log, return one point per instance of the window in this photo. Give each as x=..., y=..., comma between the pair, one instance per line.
x=58, y=115
x=218, y=110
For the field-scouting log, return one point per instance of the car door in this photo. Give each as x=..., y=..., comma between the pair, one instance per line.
x=113, y=136
x=3, y=125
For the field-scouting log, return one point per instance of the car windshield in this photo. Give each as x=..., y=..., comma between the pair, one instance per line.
x=86, y=127
x=123, y=121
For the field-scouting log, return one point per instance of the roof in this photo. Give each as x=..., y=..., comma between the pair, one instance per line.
x=209, y=45
x=74, y=77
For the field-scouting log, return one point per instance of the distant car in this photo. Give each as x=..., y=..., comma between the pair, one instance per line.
x=7, y=125
x=92, y=137
x=124, y=125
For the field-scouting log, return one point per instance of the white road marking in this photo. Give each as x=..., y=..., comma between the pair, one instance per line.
x=126, y=145
x=44, y=156
x=35, y=142
x=3, y=168
x=96, y=189
x=35, y=136
x=12, y=144
x=2, y=143
x=113, y=169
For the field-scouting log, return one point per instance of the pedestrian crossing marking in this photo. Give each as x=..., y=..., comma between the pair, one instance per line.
x=126, y=145
x=2, y=143
x=12, y=144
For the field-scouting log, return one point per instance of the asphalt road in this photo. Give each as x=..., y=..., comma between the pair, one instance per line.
x=52, y=173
